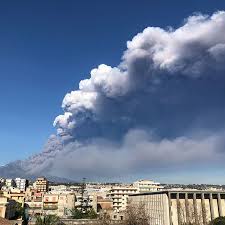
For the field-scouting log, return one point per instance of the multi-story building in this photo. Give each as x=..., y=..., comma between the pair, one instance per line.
x=41, y=184
x=147, y=186
x=18, y=196
x=34, y=202
x=119, y=196
x=21, y=183
x=58, y=204
x=66, y=202
x=180, y=207
x=10, y=183
x=50, y=203
x=7, y=207
x=83, y=201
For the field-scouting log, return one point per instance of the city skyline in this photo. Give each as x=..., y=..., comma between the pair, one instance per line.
x=142, y=94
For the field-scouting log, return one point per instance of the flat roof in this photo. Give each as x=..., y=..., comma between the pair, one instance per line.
x=178, y=191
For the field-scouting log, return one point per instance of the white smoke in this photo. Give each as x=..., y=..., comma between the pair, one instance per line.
x=193, y=50
x=163, y=105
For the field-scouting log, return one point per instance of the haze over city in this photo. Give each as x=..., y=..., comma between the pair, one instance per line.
x=113, y=90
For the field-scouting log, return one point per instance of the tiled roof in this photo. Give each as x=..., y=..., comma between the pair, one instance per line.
x=4, y=221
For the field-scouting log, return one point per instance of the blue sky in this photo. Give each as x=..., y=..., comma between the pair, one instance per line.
x=47, y=47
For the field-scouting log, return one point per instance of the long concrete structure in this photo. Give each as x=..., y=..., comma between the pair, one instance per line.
x=180, y=207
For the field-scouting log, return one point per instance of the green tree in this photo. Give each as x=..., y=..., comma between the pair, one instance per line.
x=218, y=221
x=79, y=214
x=91, y=214
x=20, y=211
x=47, y=220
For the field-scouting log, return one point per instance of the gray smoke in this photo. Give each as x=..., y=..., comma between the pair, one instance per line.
x=161, y=107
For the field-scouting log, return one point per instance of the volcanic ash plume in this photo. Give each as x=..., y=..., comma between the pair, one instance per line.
x=161, y=107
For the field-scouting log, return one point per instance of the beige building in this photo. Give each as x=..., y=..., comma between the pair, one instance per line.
x=41, y=184
x=34, y=207
x=50, y=203
x=178, y=207
x=66, y=203
x=58, y=204
x=7, y=207
x=119, y=196
x=18, y=196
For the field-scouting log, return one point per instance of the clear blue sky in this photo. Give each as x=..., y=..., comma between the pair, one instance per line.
x=47, y=47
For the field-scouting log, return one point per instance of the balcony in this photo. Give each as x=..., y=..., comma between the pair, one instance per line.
x=50, y=207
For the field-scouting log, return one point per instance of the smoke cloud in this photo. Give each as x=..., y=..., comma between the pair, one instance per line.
x=162, y=106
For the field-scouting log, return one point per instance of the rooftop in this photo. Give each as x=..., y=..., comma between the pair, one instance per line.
x=179, y=191
x=4, y=221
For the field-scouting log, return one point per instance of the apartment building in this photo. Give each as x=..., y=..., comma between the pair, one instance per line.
x=119, y=196
x=84, y=201
x=10, y=183
x=7, y=207
x=50, y=203
x=34, y=202
x=16, y=195
x=66, y=203
x=21, y=184
x=58, y=204
x=179, y=207
x=147, y=186
x=41, y=184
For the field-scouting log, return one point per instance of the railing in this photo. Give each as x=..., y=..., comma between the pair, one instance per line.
x=50, y=207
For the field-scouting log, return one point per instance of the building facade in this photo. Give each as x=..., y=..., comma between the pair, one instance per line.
x=16, y=196
x=51, y=204
x=119, y=196
x=10, y=183
x=7, y=207
x=41, y=184
x=147, y=186
x=179, y=207
x=21, y=184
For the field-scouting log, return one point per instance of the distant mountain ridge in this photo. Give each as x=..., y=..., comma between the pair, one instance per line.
x=36, y=165
x=15, y=169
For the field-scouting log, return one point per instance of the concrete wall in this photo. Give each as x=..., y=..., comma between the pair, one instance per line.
x=156, y=207
x=178, y=207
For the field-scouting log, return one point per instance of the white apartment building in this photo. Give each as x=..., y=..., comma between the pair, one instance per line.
x=147, y=186
x=119, y=195
x=9, y=183
x=85, y=200
x=21, y=184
